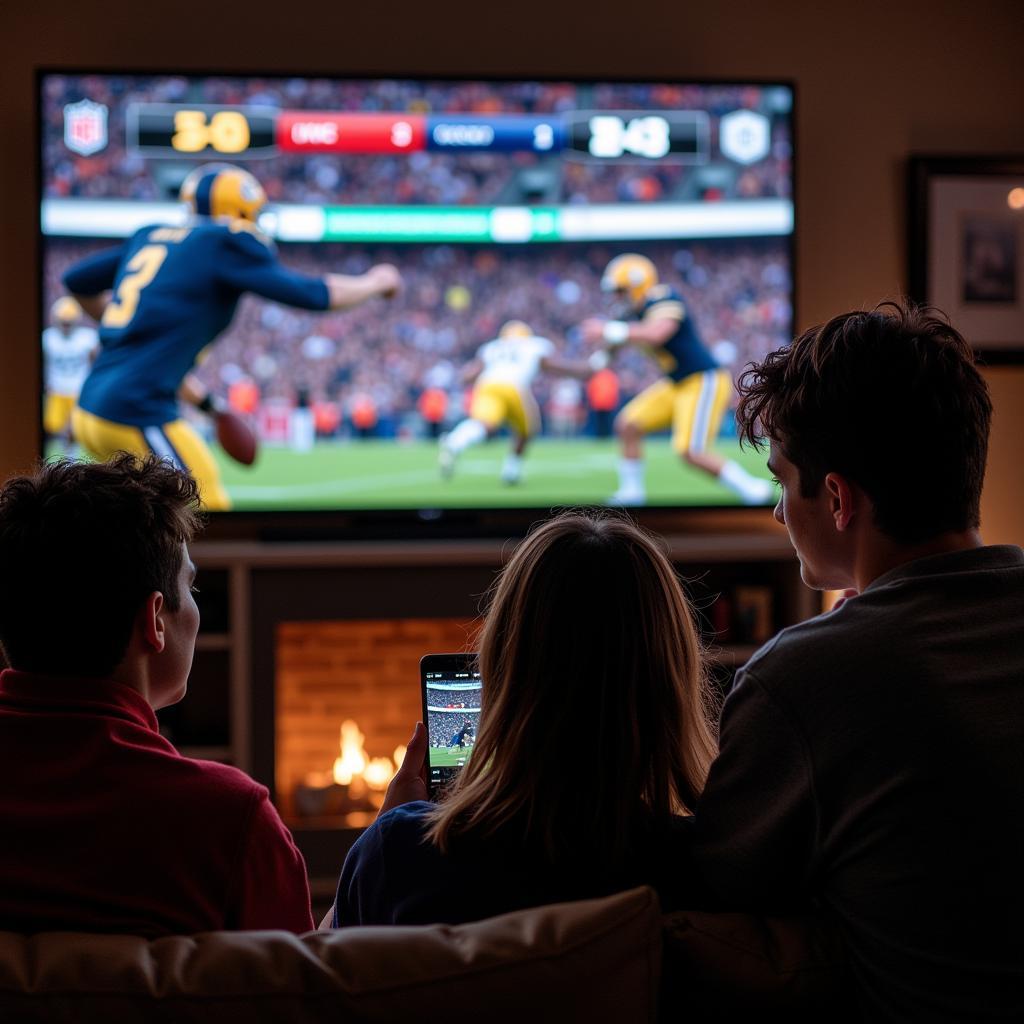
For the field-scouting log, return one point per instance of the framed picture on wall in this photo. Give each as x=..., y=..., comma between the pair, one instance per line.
x=966, y=247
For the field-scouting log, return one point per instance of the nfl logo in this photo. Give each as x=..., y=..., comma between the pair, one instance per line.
x=85, y=127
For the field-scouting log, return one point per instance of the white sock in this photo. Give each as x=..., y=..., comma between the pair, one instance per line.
x=752, y=489
x=467, y=433
x=631, y=475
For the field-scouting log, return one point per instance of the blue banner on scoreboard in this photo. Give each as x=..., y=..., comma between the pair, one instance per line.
x=503, y=133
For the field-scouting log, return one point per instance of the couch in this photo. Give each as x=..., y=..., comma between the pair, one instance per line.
x=616, y=958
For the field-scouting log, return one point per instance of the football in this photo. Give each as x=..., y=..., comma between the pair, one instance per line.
x=236, y=437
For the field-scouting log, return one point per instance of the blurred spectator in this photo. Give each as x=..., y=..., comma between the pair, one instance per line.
x=326, y=418
x=244, y=396
x=363, y=413
x=433, y=407
x=564, y=407
x=301, y=433
x=603, y=396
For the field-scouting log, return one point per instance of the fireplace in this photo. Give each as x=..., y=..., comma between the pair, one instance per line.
x=346, y=697
x=330, y=634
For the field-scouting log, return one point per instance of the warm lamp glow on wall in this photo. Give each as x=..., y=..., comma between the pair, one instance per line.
x=1015, y=200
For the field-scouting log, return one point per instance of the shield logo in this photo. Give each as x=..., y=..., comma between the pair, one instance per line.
x=85, y=127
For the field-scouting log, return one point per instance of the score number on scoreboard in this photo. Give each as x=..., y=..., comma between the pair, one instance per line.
x=226, y=131
x=163, y=129
x=612, y=137
x=679, y=135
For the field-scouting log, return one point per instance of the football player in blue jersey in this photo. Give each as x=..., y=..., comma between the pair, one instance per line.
x=167, y=293
x=692, y=395
x=462, y=736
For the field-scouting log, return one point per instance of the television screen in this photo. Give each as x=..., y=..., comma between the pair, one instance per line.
x=408, y=294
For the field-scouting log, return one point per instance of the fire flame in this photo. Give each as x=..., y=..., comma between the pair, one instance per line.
x=352, y=761
x=353, y=768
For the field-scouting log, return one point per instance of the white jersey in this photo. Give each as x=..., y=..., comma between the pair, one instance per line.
x=513, y=361
x=67, y=358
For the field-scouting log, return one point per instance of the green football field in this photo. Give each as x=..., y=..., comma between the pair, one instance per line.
x=391, y=474
x=440, y=758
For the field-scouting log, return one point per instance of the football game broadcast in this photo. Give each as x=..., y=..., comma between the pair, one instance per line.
x=452, y=702
x=453, y=713
x=397, y=294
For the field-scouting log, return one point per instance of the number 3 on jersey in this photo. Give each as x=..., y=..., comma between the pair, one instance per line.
x=141, y=269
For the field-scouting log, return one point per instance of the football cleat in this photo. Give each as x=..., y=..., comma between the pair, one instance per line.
x=511, y=472
x=631, y=273
x=628, y=497
x=445, y=460
x=758, y=492
x=223, y=190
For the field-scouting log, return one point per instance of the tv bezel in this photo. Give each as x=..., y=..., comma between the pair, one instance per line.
x=449, y=523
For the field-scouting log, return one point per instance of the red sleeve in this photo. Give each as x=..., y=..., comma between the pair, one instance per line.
x=272, y=888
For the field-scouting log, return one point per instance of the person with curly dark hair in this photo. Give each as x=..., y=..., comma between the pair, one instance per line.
x=106, y=826
x=871, y=760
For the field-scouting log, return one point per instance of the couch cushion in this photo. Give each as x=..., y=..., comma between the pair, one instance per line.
x=594, y=959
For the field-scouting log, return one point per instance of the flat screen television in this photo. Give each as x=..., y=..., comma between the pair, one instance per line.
x=504, y=206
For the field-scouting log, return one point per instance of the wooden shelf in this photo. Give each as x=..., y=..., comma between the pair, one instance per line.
x=768, y=545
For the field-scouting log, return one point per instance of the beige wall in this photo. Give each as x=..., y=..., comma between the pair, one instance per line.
x=876, y=81
x=1002, y=505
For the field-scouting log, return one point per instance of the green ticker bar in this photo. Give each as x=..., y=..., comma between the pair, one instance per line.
x=441, y=224
x=506, y=225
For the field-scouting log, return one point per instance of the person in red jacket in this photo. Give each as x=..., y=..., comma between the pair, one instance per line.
x=106, y=827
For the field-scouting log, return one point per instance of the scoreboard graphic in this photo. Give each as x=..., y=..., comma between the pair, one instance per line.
x=489, y=165
x=553, y=151
x=161, y=129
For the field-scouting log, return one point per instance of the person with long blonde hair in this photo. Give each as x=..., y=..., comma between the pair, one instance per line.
x=593, y=746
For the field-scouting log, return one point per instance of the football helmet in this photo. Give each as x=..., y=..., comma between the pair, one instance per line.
x=223, y=190
x=515, y=329
x=65, y=311
x=630, y=273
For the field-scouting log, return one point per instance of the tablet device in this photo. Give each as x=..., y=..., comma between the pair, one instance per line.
x=450, y=684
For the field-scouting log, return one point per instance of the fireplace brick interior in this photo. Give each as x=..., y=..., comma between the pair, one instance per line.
x=366, y=670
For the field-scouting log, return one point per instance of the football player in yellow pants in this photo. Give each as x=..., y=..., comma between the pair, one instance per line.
x=503, y=371
x=691, y=397
x=69, y=347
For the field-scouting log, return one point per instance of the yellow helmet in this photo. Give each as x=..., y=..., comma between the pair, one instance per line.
x=515, y=329
x=223, y=190
x=65, y=310
x=632, y=273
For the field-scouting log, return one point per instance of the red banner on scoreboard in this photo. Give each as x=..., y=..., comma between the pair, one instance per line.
x=308, y=130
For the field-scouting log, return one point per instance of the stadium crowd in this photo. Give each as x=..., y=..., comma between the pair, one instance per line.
x=383, y=357
x=443, y=725
x=471, y=178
